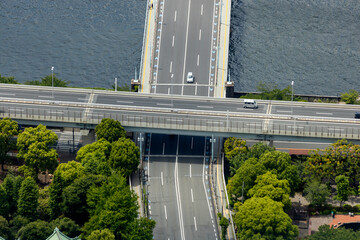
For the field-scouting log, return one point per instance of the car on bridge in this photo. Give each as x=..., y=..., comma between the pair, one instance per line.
x=357, y=115
x=190, y=77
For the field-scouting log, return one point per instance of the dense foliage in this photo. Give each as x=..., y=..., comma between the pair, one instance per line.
x=90, y=198
x=264, y=218
x=8, y=129
x=110, y=130
x=48, y=81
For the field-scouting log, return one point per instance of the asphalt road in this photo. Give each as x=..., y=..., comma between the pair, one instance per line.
x=184, y=44
x=179, y=191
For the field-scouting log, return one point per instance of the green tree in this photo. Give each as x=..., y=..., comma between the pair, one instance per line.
x=253, y=152
x=110, y=130
x=4, y=204
x=259, y=149
x=141, y=229
x=269, y=185
x=343, y=188
x=28, y=198
x=5, y=230
x=10, y=189
x=112, y=205
x=34, y=145
x=340, y=158
x=271, y=91
x=224, y=224
x=124, y=156
x=8, y=80
x=105, y=234
x=280, y=163
x=56, y=195
x=44, y=210
x=264, y=218
x=245, y=175
x=327, y=233
x=67, y=226
x=35, y=231
x=18, y=222
x=96, y=163
x=234, y=146
x=39, y=159
x=102, y=146
x=8, y=129
x=70, y=171
x=316, y=193
x=75, y=195
x=350, y=97
x=48, y=80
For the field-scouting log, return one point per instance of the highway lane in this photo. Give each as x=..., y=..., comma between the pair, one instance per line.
x=37, y=94
x=183, y=44
x=178, y=188
x=163, y=205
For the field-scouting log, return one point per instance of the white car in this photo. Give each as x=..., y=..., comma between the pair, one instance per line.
x=190, y=77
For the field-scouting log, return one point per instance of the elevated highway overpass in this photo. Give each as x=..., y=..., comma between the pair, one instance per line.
x=179, y=114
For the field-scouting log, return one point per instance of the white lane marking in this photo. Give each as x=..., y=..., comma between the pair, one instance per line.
x=8, y=94
x=133, y=117
x=53, y=112
x=324, y=113
x=200, y=34
x=175, y=16
x=190, y=174
x=283, y=111
x=205, y=106
x=207, y=197
x=174, y=120
x=198, y=59
x=165, y=212
x=195, y=223
x=215, y=122
x=192, y=195
x=16, y=109
x=162, y=179
x=173, y=41
x=124, y=102
x=170, y=66
x=177, y=192
x=43, y=96
x=186, y=41
x=202, y=8
x=163, y=104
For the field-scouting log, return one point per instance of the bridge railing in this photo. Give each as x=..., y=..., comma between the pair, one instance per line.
x=184, y=122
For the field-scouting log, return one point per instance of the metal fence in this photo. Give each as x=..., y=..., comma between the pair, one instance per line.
x=186, y=122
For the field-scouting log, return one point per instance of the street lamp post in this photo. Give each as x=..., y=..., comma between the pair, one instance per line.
x=115, y=84
x=292, y=99
x=52, y=80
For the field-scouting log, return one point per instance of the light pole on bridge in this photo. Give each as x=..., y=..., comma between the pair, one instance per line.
x=52, y=80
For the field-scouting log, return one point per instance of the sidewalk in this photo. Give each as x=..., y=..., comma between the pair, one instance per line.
x=223, y=49
x=148, y=45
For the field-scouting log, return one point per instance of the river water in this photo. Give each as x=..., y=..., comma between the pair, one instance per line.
x=315, y=43
x=89, y=42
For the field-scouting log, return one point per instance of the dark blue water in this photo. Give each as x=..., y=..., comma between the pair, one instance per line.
x=315, y=43
x=89, y=42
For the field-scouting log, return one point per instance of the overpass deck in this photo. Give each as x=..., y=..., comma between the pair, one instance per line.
x=183, y=37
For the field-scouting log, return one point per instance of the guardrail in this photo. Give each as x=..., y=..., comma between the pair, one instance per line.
x=185, y=122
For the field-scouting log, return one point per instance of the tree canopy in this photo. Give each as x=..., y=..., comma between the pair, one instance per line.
x=327, y=233
x=246, y=174
x=48, y=81
x=234, y=146
x=8, y=80
x=105, y=234
x=343, y=188
x=28, y=198
x=35, y=230
x=8, y=129
x=264, y=218
x=340, y=158
x=316, y=193
x=101, y=146
x=124, y=156
x=269, y=185
x=70, y=171
x=110, y=130
x=34, y=145
x=350, y=97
